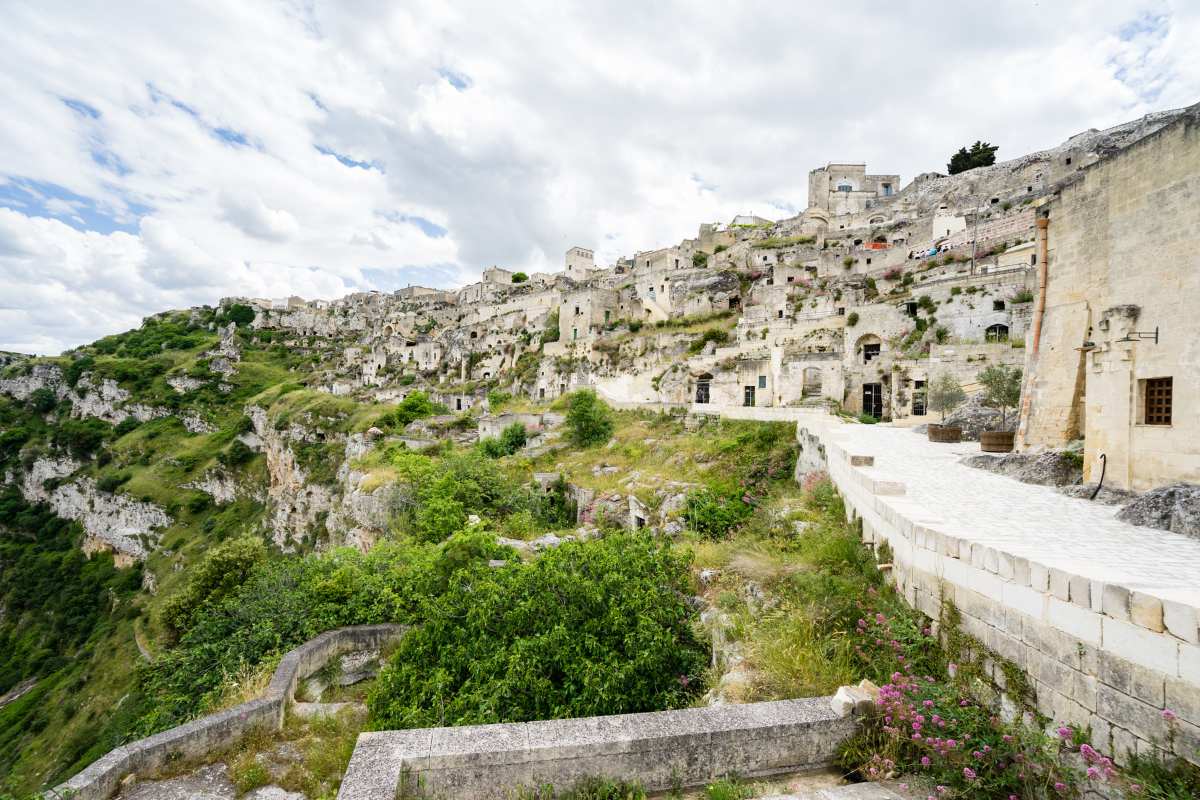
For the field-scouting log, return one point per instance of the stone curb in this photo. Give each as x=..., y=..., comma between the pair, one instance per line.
x=215, y=731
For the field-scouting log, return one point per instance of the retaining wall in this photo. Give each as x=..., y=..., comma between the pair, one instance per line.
x=660, y=750
x=1097, y=655
x=216, y=731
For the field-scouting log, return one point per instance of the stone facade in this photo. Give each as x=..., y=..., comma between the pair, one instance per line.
x=1123, y=265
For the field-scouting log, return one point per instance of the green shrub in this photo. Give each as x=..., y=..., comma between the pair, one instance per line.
x=222, y=571
x=113, y=481
x=549, y=639
x=416, y=405
x=239, y=314
x=727, y=789
x=851, y=319
x=514, y=437
x=81, y=437
x=699, y=259
x=519, y=277
x=127, y=425
x=1022, y=296
x=496, y=399
x=589, y=421
x=550, y=333
x=238, y=453
x=867, y=419
x=714, y=512
x=42, y=400
x=710, y=335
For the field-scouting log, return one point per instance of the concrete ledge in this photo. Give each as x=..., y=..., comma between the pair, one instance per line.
x=215, y=731
x=686, y=747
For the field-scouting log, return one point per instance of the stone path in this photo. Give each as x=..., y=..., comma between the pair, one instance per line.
x=858, y=791
x=1035, y=522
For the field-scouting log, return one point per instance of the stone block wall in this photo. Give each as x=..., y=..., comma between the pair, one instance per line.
x=206, y=735
x=1097, y=656
x=660, y=750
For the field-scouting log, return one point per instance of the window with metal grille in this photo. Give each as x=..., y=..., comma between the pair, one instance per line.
x=1156, y=401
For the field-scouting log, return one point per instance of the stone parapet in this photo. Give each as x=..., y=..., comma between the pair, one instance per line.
x=1097, y=654
x=660, y=750
x=203, y=736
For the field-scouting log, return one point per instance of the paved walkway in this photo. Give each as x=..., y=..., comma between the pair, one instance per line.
x=1035, y=522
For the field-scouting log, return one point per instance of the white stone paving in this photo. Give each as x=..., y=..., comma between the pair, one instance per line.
x=1034, y=522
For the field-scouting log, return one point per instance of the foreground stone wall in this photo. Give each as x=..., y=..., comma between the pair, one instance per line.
x=660, y=750
x=1096, y=655
x=210, y=734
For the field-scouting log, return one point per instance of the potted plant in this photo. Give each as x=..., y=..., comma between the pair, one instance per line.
x=1002, y=391
x=944, y=395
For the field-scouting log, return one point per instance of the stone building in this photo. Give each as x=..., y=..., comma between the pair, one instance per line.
x=846, y=188
x=1115, y=357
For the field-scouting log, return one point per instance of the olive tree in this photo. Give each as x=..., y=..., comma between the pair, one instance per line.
x=1001, y=389
x=945, y=394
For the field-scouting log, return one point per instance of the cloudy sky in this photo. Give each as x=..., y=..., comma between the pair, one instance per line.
x=160, y=155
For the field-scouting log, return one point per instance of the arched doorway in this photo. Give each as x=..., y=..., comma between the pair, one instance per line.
x=996, y=333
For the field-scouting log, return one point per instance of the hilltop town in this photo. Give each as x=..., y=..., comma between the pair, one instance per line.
x=718, y=471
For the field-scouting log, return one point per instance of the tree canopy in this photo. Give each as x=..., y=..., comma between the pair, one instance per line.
x=981, y=154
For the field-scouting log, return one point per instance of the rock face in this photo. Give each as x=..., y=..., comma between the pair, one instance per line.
x=1043, y=469
x=1171, y=508
x=111, y=521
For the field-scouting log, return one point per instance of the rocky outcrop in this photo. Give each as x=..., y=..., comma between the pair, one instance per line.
x=1043, y=469
x=1171, y=508
x=33, y=485
x=111, y=521
x=222, y=487
x=41, y=376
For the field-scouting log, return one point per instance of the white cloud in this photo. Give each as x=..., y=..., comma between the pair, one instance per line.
x=202, y=149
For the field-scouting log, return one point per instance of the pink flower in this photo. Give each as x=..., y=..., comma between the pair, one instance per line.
x=1093, y=773
x=924, y=761
x=1060, y=787
x=1169, y=715
x=1065, y=732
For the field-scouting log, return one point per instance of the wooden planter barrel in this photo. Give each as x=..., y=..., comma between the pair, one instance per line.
x=946, y=434
x=996, y=441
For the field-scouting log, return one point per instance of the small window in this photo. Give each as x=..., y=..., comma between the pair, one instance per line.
x=1068, y=161
x=870, y=351
x=841, y=311
x=762, y=381
x=577, y=311
x=997, y=305
x=781, y=313
x=1156, y=401
x=791, y=279
x=1033, y=260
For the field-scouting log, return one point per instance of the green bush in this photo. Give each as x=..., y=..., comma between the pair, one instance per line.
x=589, y=628
x=699, y=259
x=715, y=512
x=238, y=453
x=222, y=571
x=851, y=319
x=416, y=405
x=42, y=400
x=81, y=437
x=519, y=277
x=496, y=399
x=513, y=438
x=589, y=421
x=717, y=335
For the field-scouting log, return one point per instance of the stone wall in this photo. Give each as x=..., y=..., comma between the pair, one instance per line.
x=1124, y=247
x=206, y=735
x=660, y=750
x=1096, y=655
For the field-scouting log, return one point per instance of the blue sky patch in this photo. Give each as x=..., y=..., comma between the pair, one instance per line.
x=430, y=229
x=231, y=136
x=40, y=199
x=80, y=107
x=389, y=279
x=458, y=80
x=347, y=161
